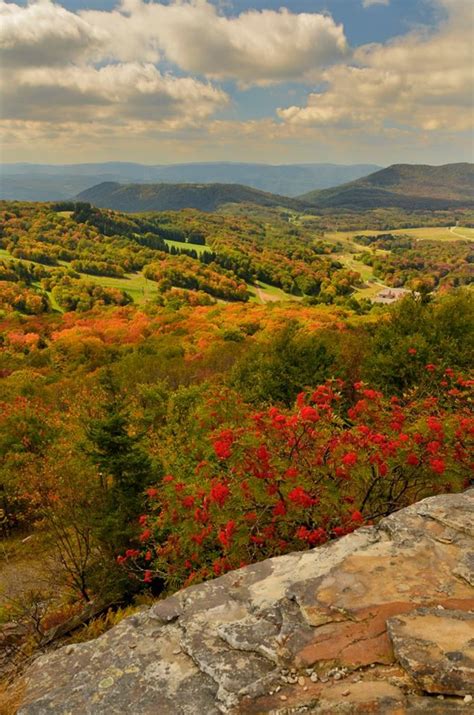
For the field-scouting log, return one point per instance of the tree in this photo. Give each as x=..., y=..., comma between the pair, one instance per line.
x=125, y=469
x=288, y=363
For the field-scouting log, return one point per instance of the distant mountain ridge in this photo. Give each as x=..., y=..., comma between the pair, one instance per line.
x=406, y=186
x=43, y=182
x=162, y=197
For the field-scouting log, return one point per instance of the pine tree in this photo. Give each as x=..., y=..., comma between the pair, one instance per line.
x=124, y=467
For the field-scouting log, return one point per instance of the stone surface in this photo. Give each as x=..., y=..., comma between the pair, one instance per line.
x=436, y=647
x=305, y=632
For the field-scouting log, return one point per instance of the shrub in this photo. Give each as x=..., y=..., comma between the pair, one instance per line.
x=279, y=480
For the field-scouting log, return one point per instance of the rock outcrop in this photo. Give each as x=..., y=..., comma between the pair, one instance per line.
x=436, y=647
x=379, y=621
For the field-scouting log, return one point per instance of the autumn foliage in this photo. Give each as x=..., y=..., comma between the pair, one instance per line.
x=276, y=480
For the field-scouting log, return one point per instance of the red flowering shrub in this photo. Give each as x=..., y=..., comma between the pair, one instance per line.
x=281, y=480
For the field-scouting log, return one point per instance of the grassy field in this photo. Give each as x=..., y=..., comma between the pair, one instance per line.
x=428, y=233
x=463, y=232
x=371, y=286
x=135, y=284
x=350, y=262
x=142, y=290
x=265, y=293
x=179, y=244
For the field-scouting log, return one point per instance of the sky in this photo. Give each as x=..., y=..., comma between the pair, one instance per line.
x=273, y=81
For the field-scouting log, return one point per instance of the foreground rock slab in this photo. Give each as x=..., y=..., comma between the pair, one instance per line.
x=436, y=647
x=301, y=633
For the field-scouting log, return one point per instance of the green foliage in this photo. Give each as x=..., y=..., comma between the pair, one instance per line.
x=124, y=466
x=417, y=334
x=262, y=483
x=421, y=264
x=81, y=295
x=281, y=368
x=23, y=299
x=91, y=257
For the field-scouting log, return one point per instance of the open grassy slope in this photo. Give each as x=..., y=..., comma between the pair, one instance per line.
x=425, y=233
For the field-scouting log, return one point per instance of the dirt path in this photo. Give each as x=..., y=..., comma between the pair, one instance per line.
x=461, y=235
x=265, y=297
x=22, y=566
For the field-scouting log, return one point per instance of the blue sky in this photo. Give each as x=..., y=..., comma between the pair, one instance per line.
x=194, y=80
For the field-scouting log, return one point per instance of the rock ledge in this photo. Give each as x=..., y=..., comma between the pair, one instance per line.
x=378, y=622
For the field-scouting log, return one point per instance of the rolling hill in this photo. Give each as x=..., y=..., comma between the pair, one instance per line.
x=162, y=197
x=50, y=182
x=404, y=186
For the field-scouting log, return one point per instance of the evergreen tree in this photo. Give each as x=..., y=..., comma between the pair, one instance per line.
x=124, y=467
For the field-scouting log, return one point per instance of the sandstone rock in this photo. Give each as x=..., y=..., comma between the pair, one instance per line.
x=417, y=705
x=364, y=697
x=223, y=646
x=436, y=647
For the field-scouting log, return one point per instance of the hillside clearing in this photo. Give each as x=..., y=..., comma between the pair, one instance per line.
x=188, y=246
x=139, y=288
x=425, y=233
x=264, y=293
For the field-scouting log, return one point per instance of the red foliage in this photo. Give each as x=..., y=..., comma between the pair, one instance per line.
x=284, y=479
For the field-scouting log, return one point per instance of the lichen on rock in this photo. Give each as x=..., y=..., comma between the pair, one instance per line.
x=306, y=632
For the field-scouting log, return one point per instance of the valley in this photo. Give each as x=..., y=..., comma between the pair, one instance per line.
x=337, y=265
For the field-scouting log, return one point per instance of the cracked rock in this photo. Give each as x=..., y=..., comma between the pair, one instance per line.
x=436, y=647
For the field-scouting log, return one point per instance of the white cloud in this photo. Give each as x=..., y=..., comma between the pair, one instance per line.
x=102, y=65
x=368, y=3
x=118, y=92
x=422, y=80
x=63, y=67
x=45, y=34
x=255, y=47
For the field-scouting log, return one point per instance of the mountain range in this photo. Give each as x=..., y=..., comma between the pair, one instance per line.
x=43, y=182
x=404, y=186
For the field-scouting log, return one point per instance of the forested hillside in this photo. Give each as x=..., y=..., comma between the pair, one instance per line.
x=160, y=197
x=404, y=186
x=173, y=444
x=72, y=256
x=401, y=186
